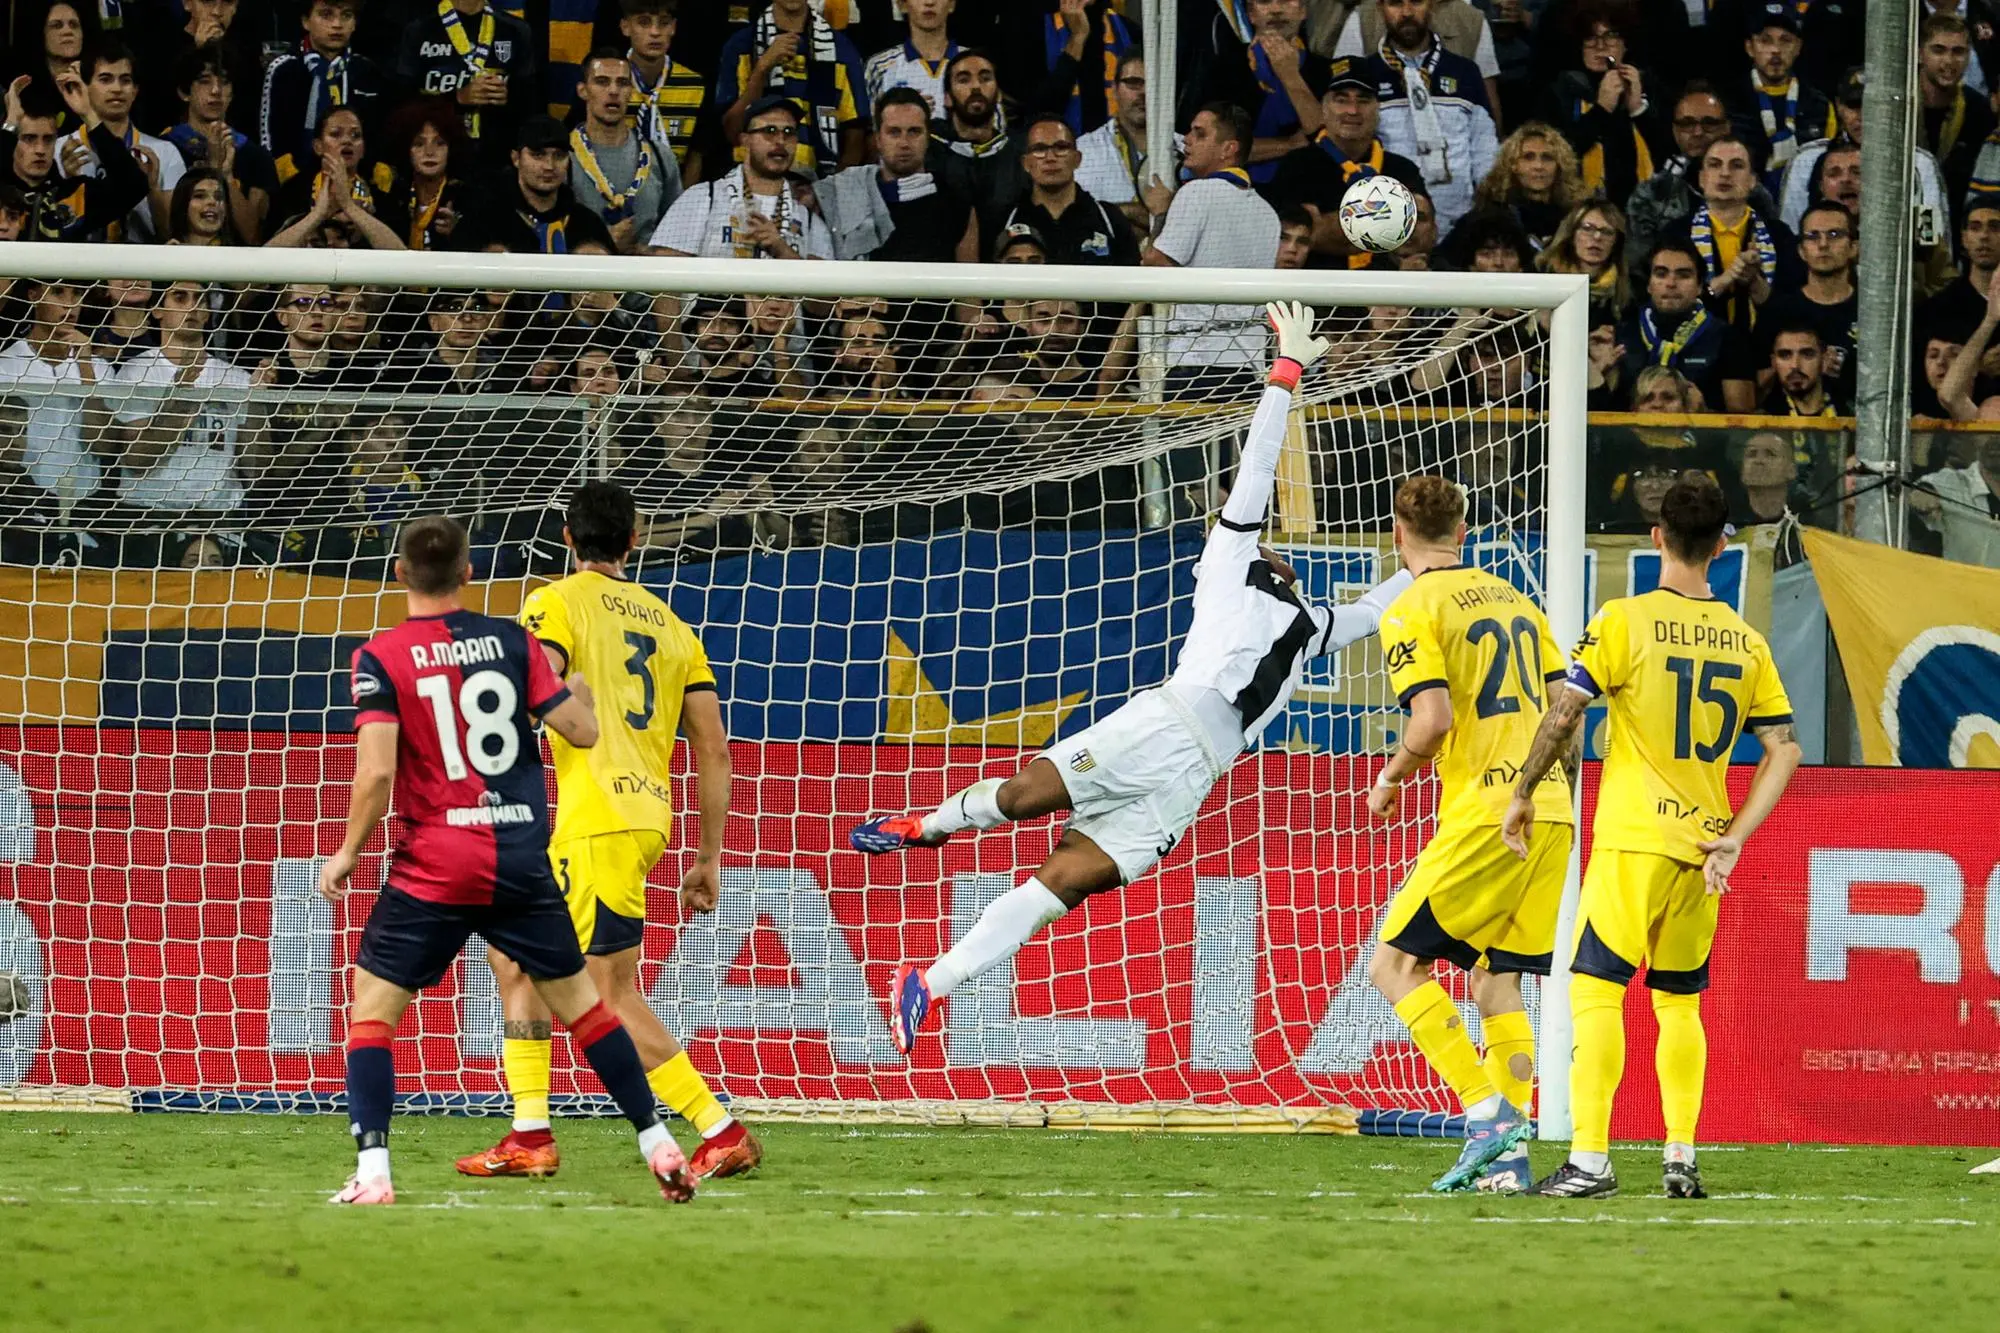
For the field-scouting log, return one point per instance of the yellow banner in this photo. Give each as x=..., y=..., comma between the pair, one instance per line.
x=1920, y=640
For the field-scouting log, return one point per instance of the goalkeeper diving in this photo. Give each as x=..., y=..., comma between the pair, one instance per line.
x=1133, y=782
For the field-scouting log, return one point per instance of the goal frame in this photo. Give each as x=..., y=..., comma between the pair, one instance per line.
x=1565, y=296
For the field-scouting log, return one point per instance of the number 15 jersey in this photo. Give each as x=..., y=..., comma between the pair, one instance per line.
x=1684, y=677
x=1474, y=635
x=640, y=659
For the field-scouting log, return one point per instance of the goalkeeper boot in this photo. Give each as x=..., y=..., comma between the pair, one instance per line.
x=376, y=1189
x=909, y=1005
x=731, y=1153
x=1571, y=1181
x=670, y=1168
x=1508, y=1174
x=522, y=1153
x=892, y=833
x=1682, y=1179
x=1486, y=1138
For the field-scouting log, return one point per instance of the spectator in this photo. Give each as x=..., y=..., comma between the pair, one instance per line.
x=1954, y=125
x=52, y=369
x=1416, y=252
x=216, y=23
x=1745, y=255
x=128, y=326
x=1826, y=300
x=183, y=443
x=1802, y=183
x=302, y=85
x=1217, y=221
x=1276, y=82
x=1295, y=237
x=342, y=210
x=342, y=144
x=1436, y=112
x=465, y=355
x=1830, y=32
x=1512, y=24
x=1766, y=486
x=1638, y=492
x=1781, y=113
x=1534, y=180
x=387, y=487
x=59, y=209
x=673, y=104
x=1591, y=240
x=895, y=209
x=1113, y=166
x=1077, y=228
x=1460, y=28
x=1937, y=356
x=789, y=51
x=14, y=211
x=206, y=139
x=534, y=212
x=863, y=362
x=1953, y=313
x=429, y=180
x=1962, y=505
x=971, y=151
x=1610, y=389
x=1020, y=243
x=613, y=170
x=919, y=60
x=199, y=213
x=1675, y=329
x=1799, y=387
x=1660, y=28
x=1346, y=149
x=308, y=314
x=1077, y=51
x=65, y=28
x=1605, y=105
x=483, y=60
x=108, y=70
x=755, y=211
x=1489, y=240
x=1667, y=197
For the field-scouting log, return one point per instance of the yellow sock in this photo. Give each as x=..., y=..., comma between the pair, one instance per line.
x=1597, y=1062
x=526, y=1063
x=1682, y=1062
x=680, y=1085
x=1510, y=1057
x=1439, y=1033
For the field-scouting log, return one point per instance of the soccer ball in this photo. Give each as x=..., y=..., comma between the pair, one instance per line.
x=1378, y=213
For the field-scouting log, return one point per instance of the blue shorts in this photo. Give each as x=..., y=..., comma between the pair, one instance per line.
x=412, y=943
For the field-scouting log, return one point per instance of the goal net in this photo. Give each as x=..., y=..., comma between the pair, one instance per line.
x=925, y=521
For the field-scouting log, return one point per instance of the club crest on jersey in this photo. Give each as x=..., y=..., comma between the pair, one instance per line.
x=1400, y=655
x=1082, y=762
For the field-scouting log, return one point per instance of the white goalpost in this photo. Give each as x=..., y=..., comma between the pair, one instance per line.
x=926, y=519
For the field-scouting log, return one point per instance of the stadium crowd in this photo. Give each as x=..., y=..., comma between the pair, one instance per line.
x=1710, y=195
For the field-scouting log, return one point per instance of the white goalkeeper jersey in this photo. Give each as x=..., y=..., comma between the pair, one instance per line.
x=1252, y=633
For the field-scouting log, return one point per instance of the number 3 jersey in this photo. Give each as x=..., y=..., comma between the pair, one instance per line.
x=465, y=690
x=1477, y=637
x=641, y=660
x=1684, y=677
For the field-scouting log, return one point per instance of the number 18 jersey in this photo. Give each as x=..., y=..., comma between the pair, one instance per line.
x=1684, y=677
x=1477, y=637
x=640, y=659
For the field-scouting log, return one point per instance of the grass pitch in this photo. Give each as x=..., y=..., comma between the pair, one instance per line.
x=218, y=1222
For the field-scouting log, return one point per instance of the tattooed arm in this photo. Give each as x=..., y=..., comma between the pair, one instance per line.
x=1562, y=727
x=1774, y=771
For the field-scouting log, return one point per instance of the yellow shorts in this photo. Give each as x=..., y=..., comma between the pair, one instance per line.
x=604, y=879
x=1470, y=901
x=1639, y=908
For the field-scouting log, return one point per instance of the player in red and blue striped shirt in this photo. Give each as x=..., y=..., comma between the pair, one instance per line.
x=445, y=705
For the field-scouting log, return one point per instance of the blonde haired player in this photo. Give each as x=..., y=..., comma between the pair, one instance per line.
x=613, y=813
x=1684, y=676
x=1472, y=659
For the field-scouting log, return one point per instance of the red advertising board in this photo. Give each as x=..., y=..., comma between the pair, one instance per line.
x=161, y=909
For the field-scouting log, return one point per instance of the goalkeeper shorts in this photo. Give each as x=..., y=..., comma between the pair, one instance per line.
x=603, y=878
x=1643, y=908
x=1136, y=780
x=1470, y=901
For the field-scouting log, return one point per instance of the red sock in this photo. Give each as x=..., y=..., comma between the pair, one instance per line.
x=729, y=1135
x=532, y=1138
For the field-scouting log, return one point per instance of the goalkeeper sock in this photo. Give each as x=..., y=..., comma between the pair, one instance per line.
x=1005, y=925
x=371, y=1094
x=978, y=806
x=1681, y=1060
x=1597, y=1064
x=680, y=1086
x=1439, y=1032
x=1510, y=1056
x=526, y=1063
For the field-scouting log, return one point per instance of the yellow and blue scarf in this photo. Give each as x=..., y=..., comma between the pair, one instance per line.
x=473, y=52
x=618, y=203
x=1669, y=349
x=1701, y=231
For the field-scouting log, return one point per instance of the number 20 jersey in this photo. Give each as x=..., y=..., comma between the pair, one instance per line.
x=641, y=660
x=1476, y=636
x=1684, y=677
x=464, y=689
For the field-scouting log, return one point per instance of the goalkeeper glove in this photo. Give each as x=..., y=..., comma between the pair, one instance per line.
x=1297, y=347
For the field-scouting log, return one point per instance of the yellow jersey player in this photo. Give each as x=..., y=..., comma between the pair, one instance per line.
x=1473, y=660
x=613, y=814
x=1684, y=677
